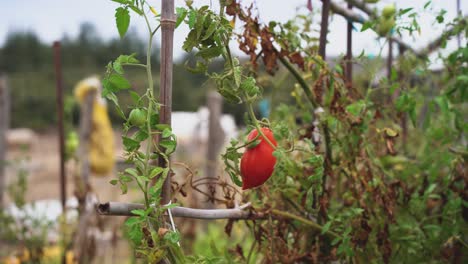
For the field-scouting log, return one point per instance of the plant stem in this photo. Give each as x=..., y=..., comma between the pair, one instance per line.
x=300, y=80
x=150, y=99
x=314, y=225
x=257, y=126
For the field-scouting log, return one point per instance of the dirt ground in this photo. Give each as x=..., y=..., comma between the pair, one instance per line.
x=41, y=160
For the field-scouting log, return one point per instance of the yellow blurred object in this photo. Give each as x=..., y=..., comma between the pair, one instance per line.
x=11, y=260
x=101, y=148
x=50, y=255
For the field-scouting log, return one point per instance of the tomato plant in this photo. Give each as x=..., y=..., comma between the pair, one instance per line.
x=367, y=172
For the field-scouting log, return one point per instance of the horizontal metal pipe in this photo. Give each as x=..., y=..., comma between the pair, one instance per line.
x=125, y=209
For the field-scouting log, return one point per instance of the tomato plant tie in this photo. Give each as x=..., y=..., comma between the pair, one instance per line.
x=172, y=219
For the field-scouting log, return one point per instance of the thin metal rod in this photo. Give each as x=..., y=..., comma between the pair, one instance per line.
x=165, y=92
x=349, y=53
x=60, y=128
x=125, y=209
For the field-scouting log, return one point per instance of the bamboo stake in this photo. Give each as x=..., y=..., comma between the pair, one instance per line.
x=165, y=92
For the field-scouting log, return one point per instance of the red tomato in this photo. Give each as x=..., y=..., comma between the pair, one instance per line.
x=258, y=162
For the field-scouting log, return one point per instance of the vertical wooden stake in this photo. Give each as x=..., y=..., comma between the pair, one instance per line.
x=60, y=128
x=4, y=125
x=215, y=138
x=165, y=92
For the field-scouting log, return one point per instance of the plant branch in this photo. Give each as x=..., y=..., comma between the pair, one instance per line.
x=304, y=221
x=300, y=80
x=125, y=209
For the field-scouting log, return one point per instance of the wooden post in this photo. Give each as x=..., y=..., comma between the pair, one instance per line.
x=4, y=125
x=86, y=123
x=165, y=91
x=215, y=139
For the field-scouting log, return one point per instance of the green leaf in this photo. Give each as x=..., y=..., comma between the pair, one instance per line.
x=366, y=25
x=132, y=172
x=155, y=172
x=169, y=146
x=210, y=53
x=326, y=227
x=199, y=24
x=122, y=19
x=135, y=9
x=210, y=30
x=114, y=182
x=118, y=67
x=192, y=18
x=181, y=14
x=235, y=179
x=115, y=82
x=130, y=144
x=135, y=97
x=140, y=135
x=124, y=2
x=250, y=87
x=172, y=237
x=123, y=187
x=167, y=132
x=127, y=59
x=139, y=212
x=132, y=221
x=404, y=11
x=125, y=178
x=190, y=41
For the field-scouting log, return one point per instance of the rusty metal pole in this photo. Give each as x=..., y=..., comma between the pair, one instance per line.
x=459, y=13
x=165, y=92
x=60, y=128
x=324, y=28
x=4, y=125
x=349, y=53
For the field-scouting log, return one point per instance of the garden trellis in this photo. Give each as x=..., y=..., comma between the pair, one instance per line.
x=323, y=146
x=167, y=30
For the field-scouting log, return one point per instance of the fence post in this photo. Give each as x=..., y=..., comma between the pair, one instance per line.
x=215, y=139
x=4, y=125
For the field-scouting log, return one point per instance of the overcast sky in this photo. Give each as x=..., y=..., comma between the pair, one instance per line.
x=51, y=19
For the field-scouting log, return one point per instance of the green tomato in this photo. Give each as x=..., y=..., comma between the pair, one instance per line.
x=72, y=143
x=137, y=117
x=389, y=11
x=385, y=26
